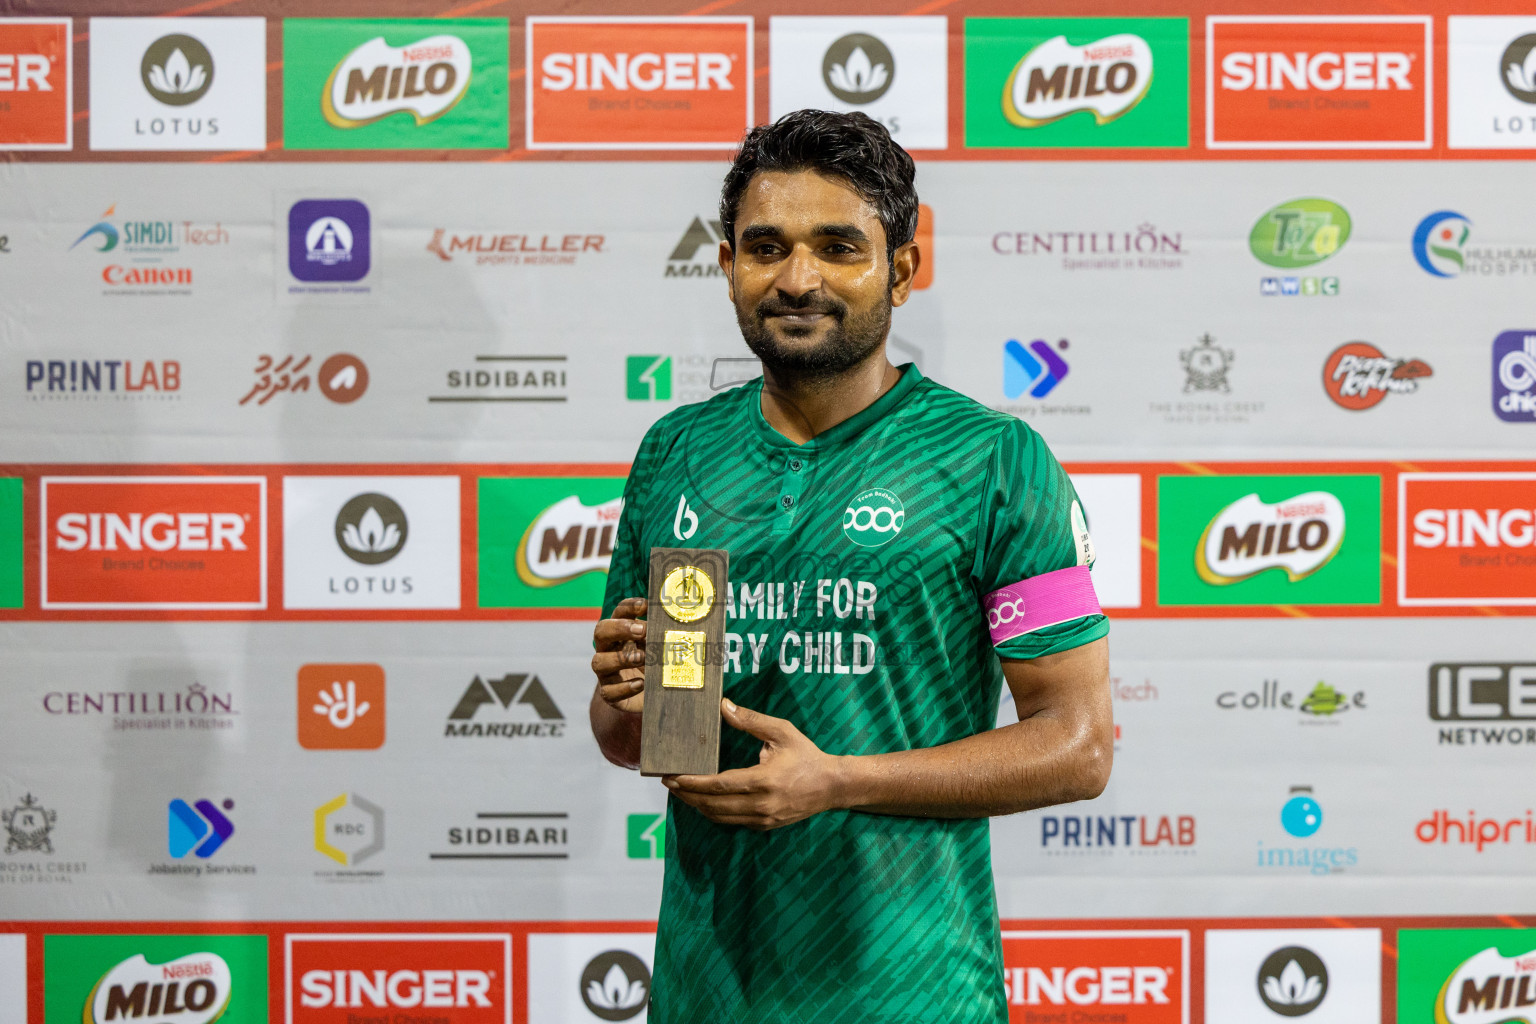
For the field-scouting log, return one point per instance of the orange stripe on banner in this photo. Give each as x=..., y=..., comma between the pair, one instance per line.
x=707, y=8
x=1389, y=950
x=274, y=66
x=1149, y=544
x=206, y=5
x=1407, y=467
x=244, y=154
x=1195, y=467
x=81, y=115
x=1483, y=610
x=929, y=8
x=516, y=73
x=462, y=9
x=1506, y=919
x=1338, y=922
x=1389, y=558
x=1292, y=610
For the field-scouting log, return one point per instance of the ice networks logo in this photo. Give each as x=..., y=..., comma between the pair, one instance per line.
x=1036, y=369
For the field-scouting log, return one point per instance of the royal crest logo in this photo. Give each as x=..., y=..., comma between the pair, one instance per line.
x=1107, y=78
x=425, y=79
x=27, y=827
x=1299, y=535
x=1206, y=366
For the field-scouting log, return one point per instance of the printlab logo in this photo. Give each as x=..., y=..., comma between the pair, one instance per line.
x=200, y=828
x=1514, y=376
x=1205, y=366
x=1293, y=981
x=514, y=688
x=615, y=985
x=341, y=707
x=349, y=829
x=88, y=379
x=177, y=70
x=1036, y=369
x=646, y=836
x=1440, y=242
x=28, y=826
x=371, y=529
x=648, y=378
x=1357, y=375
x=858, y=68
x=329, y=241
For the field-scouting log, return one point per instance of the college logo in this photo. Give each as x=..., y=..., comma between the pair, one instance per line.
x=1514, y=376
x=638, y=83
x=1358, y=376
x=349, y=829
x=27, y=827
x=36, y=79
x=1439, y=243
x=1257, y=540
x=1137, y=977
x=1492, y=82
x=329, y=240
x=518, y=688
x=1320, y=975
x=1323, y=701
x=873, y=517
x=164, y=978
x=1466, y=538
x=199, y=828
x=356, y=83
x=454, y=978
x=1036, y=369
x=545, y=542
x=154, y=542
x=1076, y=82
x=615, y=985
x=1318, y=83
x=1300, y=233
x=341, y=707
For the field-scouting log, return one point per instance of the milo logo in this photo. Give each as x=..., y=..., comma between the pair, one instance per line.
x=567, y=539
x=193, y=989
x=1489, y=988
x=1298, y=535
x=873, y=518
x=425, y=79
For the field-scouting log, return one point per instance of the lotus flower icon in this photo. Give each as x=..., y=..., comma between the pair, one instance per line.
x=1293, y=981
x=177, y=74
x=177, y=70
x=1522, y=77
x=1293, y=987
x=371, y=528
x=616, y=985
x=858, y=68
x=616, y=991
x=858, y=74
x=371, y=533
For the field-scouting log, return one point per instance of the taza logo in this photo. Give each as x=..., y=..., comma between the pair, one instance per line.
x=615, y=985
x=1518, y=68
x=193, y=989
x=1293, y=981
x=1300, y=233
x=858, y=68
x=1358, y=376
x=371, y=529
x=1299, y=535
x=177, y=70
x=426, y=79
x=1107, y=78
x=1440, y=241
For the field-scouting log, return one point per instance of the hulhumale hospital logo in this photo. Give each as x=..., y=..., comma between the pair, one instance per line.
x=329, y=240
x=1440, y=242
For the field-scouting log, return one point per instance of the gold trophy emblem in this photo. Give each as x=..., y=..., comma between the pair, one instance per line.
x=687, y=593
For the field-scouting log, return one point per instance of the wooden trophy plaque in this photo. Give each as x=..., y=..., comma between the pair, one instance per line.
x=684, y=641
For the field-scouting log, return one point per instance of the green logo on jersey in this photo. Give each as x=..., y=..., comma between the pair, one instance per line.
x=648, y=378
x=177, y=979
x=647, y=836
x=11, y=557
x=1077, y=82
x=545, y=542
x=1464, y=975
x=1268, y=540
x=874, y=517
x=401, y=83
x=1300, y=233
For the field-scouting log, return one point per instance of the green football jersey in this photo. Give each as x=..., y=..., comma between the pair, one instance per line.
x=875, y=574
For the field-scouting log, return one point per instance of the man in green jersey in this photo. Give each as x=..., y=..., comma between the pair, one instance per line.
x=898, y=552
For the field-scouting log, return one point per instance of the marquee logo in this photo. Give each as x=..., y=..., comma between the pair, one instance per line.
x=518, y=688
x=425, y=79
x=193, y=989
x=1134, y=977
x=1318, y=82
x=1466, y=538
x=36, y=83
x=439, y=976
x=1107, y=78
x=1358, y=376
x=1299, y=535
x=568, y=539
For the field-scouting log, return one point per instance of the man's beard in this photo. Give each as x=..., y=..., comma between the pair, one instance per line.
x=851, y=339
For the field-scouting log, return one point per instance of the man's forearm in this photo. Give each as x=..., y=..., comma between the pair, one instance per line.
x=617, y=732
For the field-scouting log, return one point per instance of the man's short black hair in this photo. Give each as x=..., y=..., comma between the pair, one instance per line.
x=852, y=147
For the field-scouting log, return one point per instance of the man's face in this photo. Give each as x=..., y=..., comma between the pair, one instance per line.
x=809, y=277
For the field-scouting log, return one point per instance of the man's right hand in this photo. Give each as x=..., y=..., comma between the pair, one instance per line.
x=619, y=663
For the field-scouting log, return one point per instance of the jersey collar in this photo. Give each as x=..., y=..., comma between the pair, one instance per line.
x=844, y=431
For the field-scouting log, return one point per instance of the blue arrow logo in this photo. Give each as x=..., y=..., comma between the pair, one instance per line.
x=1037, y=369
x=200, y=828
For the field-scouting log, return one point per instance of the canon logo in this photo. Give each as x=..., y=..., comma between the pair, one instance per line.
x=404, y=988
x=1470, y=527
x=1326, y=71
x=23, y=72
x=1087, y=986
x=672, y=72
x=158, y=531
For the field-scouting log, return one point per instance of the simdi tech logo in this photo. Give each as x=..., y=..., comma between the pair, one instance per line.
x=357, y=83
x=1131, y=977
x=36, y=83
x=1466, y=976
x=127, y=542
x=455, y=978
x=1348, y=82
x=1466, y=539
x=1269, y=540
x=638, y=82
x=1076, y=82
x=545, y=542
x=165, y=978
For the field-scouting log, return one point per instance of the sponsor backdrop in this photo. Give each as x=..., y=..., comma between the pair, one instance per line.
x=326, y=342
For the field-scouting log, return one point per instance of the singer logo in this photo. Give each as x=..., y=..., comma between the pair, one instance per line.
x=452, y=978
x=638, y=83
x=1130, y=977
x=154, y=542
x=35, y=88
x=1466, y=538
x=1318, y=83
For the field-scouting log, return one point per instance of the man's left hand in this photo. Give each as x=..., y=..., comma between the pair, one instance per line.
x=793, y=779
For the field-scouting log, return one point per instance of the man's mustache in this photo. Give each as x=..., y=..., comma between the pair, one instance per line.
x=810, y=302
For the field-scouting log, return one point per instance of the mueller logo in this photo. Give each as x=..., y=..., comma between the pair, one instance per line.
x=638, y=83
x=1467, y=538
x=1489, y=988
x=154, y=542
x=567, y=540
x=193, y=989
x=35, y=89
x=1318, y=83
x=1129, y=977
x=440, y=977
x=1108, y=78
x=1358, y=375
x=1070, y=832
x=424, y=79
x=496, y=249
x=1299, y=535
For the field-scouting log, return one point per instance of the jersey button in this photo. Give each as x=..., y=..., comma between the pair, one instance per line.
x=795, y=465
x=788, y=501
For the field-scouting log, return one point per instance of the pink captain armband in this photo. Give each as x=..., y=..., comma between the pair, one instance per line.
x=1040, y=601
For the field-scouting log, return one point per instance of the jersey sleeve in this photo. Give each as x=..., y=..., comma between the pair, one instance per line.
x=1033, y=552
x=627, y=569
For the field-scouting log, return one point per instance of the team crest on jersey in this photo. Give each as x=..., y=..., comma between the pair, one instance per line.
x=874, y=517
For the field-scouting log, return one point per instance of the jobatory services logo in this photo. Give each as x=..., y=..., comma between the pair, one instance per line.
x=199, y=828
x=1466, y=976
x=1514, y=376
x=502, y=378
x=1358, y=375
x=1314, y=975
x=1440, y=241
x=1319, y=82
x=37, y=78
x=1035, y=369
x=516, y=705
x=1076, y=82
x=638, y=82
x=341, y=707
x=173, y=84
x=1301, y=817
x=342, y=377
x=1135, y=977
x=545, y=542
x=164, y=978
x=329, y=246
x=1466, y=539
x=349, y=830
x=1492, y=82
x=1269, y=540
x=401, y=83
x=893, y=69
x=590, y=976
x=127, y=542
x=508, y=835
x=87, y=380
x=452, y=978
x=501, y=249
x=1483, y=697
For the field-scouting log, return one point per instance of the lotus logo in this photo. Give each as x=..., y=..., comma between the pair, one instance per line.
x=1293, y=981
x=858, y=68
x=1519, y=68
x=616, y=985
x=425, y=79
x=1438, y=243
x=1106, y=78
x=566, y=540
x=177, y=70
x=192, y=989
x=371, y=529
x=1486, y=988
x=1299, y=535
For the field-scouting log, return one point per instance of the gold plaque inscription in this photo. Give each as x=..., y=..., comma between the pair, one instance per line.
x=687, y=593
x=682, y=660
